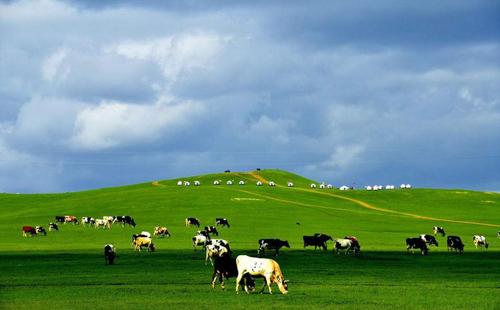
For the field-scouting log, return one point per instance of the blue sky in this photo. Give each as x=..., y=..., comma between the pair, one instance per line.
x=96, y=94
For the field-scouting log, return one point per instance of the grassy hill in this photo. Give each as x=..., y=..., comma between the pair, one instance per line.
x=66, y=269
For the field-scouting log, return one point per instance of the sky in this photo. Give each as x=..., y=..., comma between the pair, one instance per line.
x=107, y=93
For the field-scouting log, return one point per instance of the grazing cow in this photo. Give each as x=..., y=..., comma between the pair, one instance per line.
x=416, y=243
x=222, y=221
x=124, y=219
x=53, y=226
x=28, y=231
x=225, y=267
x=438, y=230
x=162, y=232
x=455, y=244
x=498, y=234
x=430, y=240
x=275, y=244
x=108, y=218
x=264, y=267
x=480, y=241
x=346, y=245
x=214, y=250
x=40, y=230
x=102, y=223
x=200, y=239
x=220, y=242
x=144, y=242
x=109, y=254
x=211, y=230
x=318, y=240
x=192, y=221
x=70, y=219
x=354, y=241
x=59, y=219
x=88, y=220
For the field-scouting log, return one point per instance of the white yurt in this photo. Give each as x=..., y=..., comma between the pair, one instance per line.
x=259, y=183
x=343, y=188
x=271, y=183
x=408, y=186
x=197, y=183
x=179, y=183
x=216, y=182
x=186, y=183
x=241, y=182
x=290, y=184
x=229, y=182
x=313, y=185
x=329, y=186
x=368, y=188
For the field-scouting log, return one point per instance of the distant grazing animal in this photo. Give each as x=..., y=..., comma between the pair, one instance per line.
x=109, y=254
x=220, y=242
x=480, y=241
x=213, y=250
x=161, y=231
x=347, y=246
x=143, y=234
x=200, y=240
x=455, y=244
x=124, y=219
x=354, y=240
x=416, y=243
x=102, y=223
x=59, y=219
x=53, y=226
x=144, y=242
x=498, y=234
x=438, y=230
x=88, y=220
x=222, y=221
x=317, y=240
x=265, y=267
x=211, y=230
x=70, y=219
x=28, y=231
x=225, y=267
x=108, y=218
x=270, y=244
x=430, y=240
x=40, y=230
x=192, y=221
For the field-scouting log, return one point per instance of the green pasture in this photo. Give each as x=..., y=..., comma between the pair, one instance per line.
x=65, y=269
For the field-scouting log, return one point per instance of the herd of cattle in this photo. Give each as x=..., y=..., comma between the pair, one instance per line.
x=244, y=268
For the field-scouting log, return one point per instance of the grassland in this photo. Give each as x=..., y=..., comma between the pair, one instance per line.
x=65, y=269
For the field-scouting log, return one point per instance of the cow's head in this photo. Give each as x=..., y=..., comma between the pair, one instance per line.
x=151, y=247
x=283, y=286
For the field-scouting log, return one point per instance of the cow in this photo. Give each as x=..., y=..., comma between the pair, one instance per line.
x=70, y=219
x=346, y=245
x=161, y=231
x=265, y=267
x=59, y=219
x=88, y=220
x=53, y=226
x=124, y=219
x=430, y=240
x=455, y=244
x=200, y=239
x=191, y=221
x=222, y=221
x=214, y=250
x=102, y=223
x=109, y=254
x=40, y=230
x=28, y=231
x=211, y=230
x=144, y=242
x=108, y=218
x=318, y=240
x=225, y=267
x=220, y=242
x=480, y=241
x=498, y=234
x=416, y=243
x=438, y=230
x=275, y=244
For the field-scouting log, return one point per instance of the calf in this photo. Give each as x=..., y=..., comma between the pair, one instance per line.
x=480, y=241
x=124, y=219
x=265, y=267
x=88, y=220
x=161, y=231
x=191, y=221
x=109, y=254
x=347, y=246
x=438, y=230
x=144, y=242
x=225, y=267
x=222, y=221
x=40, y=230
x=53, y=226
x=416, y=243
x=455, y=244
x=275, y=244
x=430, y=240
x=211, y=230
x=28, y=231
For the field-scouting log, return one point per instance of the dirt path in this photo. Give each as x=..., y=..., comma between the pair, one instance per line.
x=258, y=177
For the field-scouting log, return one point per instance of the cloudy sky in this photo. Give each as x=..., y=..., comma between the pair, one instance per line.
x=348, y=92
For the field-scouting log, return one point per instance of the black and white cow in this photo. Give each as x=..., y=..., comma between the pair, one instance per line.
x=124, y=219
x=416, y=243
x=211, y=230
x=200, y=240
x=430, y=240
x=269, y=244
x=161, y=231
x=60, y=219
x=318, y=240
x=192, y=221
x=53, y=226
x=109, y=254
x=40, y=230
x=346, y=245
x=455, y=244
x=480, y=241
x=88, y=220
x=222, y=221
x=225, y=267
x=438, y=230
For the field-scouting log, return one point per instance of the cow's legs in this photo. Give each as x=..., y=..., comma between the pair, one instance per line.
x=238, y=279
x=214, y=279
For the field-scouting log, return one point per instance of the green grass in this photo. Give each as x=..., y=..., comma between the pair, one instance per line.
x=66, y=269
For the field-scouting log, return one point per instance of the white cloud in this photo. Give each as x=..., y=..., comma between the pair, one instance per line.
x=52, y=65
x=113, y=124
x=344, y=156
x=29, y=11
x=274, y=129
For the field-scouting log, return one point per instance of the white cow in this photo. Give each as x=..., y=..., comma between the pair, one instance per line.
x=213, y=250
x=346, y=245
x=200, y=240
x=265, y=267
x=480, y=241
